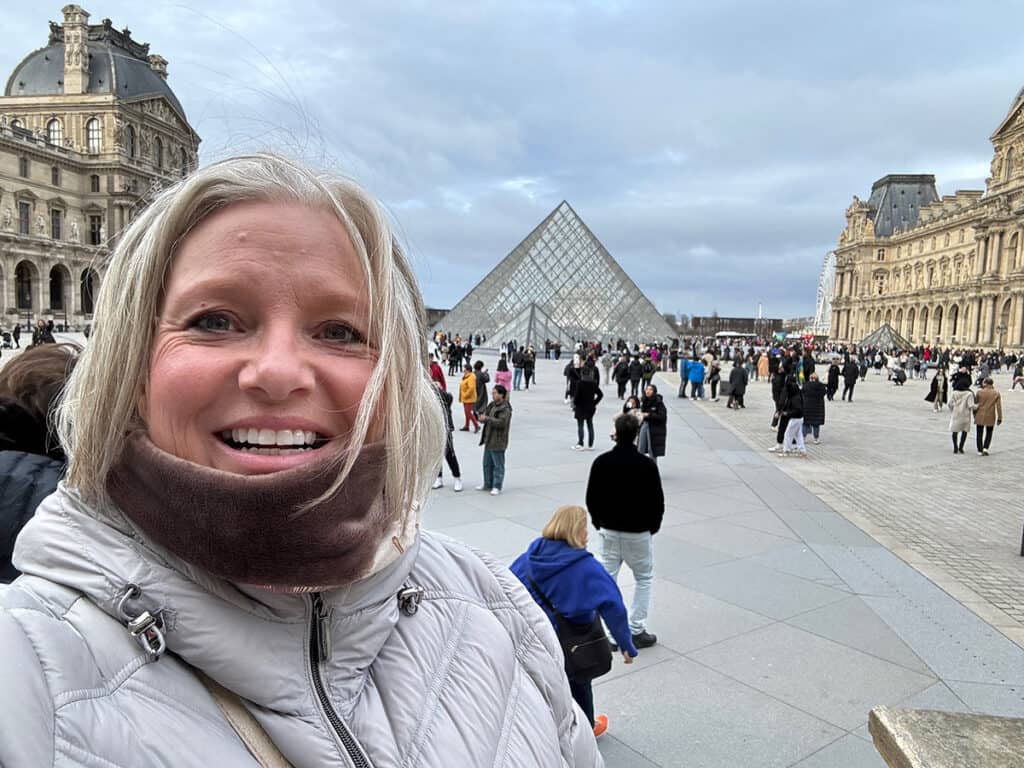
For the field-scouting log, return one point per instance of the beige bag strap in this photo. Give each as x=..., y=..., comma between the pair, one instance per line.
x=256, y=740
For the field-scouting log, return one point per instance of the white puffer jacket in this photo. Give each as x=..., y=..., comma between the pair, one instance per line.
x=472, y=678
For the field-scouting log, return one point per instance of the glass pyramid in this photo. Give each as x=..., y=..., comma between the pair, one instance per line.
x=885, y=338
x=559, y=283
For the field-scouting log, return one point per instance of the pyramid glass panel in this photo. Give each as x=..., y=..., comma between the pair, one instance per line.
x=559, y=283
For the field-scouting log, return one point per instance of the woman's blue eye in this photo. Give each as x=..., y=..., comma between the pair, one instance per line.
x=213, y=322
x=343, y=333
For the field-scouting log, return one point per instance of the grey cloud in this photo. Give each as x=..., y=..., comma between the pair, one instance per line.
x=712, y=147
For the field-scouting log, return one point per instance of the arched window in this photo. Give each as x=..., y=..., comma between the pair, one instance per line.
x=93, y=136
x=184, y=164
x=158, y=147
x=23, y=275
x=89, y=286
x=129, y=141
x=55, y=132
x=1009, y=164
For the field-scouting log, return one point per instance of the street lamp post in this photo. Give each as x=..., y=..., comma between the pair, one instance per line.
x=1000, y=329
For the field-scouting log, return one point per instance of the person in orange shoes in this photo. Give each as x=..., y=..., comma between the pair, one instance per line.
x=575, y=591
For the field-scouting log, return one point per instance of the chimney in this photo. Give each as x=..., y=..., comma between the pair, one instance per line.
x=76, y=54
x=159, y=65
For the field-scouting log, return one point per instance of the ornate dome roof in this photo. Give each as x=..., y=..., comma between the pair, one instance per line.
x=117, y=65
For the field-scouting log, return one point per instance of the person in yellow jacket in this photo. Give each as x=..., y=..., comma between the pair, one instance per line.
x=467, y=396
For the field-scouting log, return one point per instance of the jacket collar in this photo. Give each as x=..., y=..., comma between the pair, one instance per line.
x=223, y=629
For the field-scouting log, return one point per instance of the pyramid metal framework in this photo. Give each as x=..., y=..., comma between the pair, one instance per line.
x=559, y=283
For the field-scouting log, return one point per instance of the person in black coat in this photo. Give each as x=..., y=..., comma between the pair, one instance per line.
x=32, y=462
x=938, y=396
x=584, y=403
x=636, y=372
x=449, y=451
x=654, y=418
x=814, y=407
x=621, y=375
x=627, y=505
x=833, y=380
x=738, y=381
x=851, y=372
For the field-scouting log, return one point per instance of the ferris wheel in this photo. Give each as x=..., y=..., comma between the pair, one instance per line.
x=826, y=287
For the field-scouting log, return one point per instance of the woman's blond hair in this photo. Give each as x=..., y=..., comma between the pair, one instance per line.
x=566, y=525
x=101, y=401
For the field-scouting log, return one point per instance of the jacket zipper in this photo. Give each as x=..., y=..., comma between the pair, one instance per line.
x=319, y=652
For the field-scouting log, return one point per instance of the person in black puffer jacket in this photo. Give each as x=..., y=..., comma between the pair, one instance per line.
x=793, y=409
x=814, y=408
x=31, y=459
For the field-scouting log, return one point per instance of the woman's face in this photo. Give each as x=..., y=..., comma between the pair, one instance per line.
x=259, y=358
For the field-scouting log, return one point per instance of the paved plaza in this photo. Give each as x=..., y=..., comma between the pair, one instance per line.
x=780, y=622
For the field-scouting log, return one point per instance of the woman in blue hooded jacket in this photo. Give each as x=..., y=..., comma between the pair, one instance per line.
x=577, y=585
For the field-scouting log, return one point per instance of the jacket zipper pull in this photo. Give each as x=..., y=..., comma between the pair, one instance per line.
x=322, y=614
x=409, y=599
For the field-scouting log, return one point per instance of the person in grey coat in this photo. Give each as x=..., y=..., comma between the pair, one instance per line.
x=234, y=565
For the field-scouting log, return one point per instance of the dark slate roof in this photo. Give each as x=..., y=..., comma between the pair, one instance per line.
x=112, y=69
x=896, y=201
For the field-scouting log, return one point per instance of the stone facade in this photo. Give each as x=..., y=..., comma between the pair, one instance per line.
x=945, y=272
x=79, y=157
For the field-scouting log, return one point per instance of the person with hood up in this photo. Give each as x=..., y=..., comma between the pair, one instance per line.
x=961, y=406
x=938, y=395
x=578, y=587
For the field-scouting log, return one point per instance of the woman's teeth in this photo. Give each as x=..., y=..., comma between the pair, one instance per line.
x=270, y=442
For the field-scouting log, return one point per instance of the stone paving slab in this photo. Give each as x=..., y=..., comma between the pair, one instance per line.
x=680, y=712
x=886, y=462
x=749, y=559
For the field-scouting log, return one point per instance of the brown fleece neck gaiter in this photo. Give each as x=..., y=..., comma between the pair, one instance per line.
x=247, y=528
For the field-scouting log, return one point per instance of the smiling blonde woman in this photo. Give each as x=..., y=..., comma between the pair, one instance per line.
x=232, y=572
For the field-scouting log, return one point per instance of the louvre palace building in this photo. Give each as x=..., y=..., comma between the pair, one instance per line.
x=89, y=129
x=942, y=271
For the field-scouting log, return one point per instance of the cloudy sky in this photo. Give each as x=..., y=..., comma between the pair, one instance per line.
x=713, y=147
